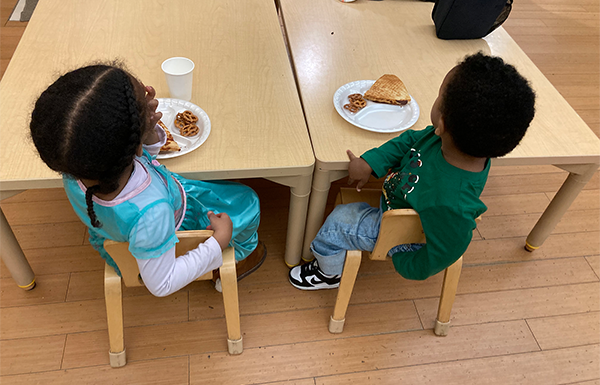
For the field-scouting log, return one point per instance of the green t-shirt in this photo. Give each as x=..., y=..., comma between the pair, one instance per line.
x=446, y=198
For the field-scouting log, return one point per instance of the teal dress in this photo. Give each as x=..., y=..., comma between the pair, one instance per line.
x=148, y=216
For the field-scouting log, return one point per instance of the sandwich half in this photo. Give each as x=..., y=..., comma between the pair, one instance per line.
x=171, y=145
x=388, y=89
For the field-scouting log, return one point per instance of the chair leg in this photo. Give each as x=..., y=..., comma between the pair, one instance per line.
x=449, y=286
x=114, y=316
x=336, y=322
x=231, y=302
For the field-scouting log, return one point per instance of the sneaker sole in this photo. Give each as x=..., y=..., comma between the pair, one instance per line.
x=314, y=287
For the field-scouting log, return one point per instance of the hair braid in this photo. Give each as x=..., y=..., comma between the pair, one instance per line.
x=89, y=194
x=110, y=183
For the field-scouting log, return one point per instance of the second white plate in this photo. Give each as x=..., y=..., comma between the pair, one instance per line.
x=376, y=117
x=170, y=108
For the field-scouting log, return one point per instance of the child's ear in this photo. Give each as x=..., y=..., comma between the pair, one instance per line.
x=139, y=151
x=440, y=128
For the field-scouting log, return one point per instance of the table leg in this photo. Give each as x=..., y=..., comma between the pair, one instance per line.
x=13, y=257
x=578, y=177
x=318, y=200
x=300, y=193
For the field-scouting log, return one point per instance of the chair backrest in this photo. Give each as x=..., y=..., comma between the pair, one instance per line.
x=398, y=226
x=119, y=252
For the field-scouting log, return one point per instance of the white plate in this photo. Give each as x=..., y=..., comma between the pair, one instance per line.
x=170, y=108
x=376, y=117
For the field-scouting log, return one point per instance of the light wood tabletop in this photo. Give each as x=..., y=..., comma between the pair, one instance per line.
x=242, y=80
x=334, y=43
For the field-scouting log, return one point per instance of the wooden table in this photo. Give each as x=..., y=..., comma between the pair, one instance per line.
x=243, y=80
x=334, y=43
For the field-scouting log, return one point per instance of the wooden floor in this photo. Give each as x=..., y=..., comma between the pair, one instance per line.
x=519, y=318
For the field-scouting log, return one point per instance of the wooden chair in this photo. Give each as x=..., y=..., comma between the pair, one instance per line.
x=188, y=240
x=397, y=227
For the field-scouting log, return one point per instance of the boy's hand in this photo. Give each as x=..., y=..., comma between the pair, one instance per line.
x=222, y=226
x=358, y=170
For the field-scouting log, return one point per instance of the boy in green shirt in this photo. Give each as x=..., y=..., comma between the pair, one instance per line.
x=483, y=110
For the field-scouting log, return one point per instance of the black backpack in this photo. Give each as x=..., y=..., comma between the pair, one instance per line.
x=469, y=19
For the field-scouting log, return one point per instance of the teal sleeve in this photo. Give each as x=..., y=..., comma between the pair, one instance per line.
x=448, y=234
x=154, y=233
x=389, y=154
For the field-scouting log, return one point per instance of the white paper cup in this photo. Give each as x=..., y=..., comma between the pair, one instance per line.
x=179, y=72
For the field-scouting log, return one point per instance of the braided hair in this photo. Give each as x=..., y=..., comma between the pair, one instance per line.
x=89, y=124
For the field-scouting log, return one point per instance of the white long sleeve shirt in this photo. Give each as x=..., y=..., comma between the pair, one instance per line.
x=168, y=273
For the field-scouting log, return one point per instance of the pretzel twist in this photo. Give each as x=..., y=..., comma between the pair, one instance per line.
x=186, y=123
x=356, y=103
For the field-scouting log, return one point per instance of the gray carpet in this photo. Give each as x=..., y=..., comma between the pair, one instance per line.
x=28, y=9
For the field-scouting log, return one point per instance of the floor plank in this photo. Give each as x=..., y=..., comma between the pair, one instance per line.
x=512, y=249
x=161, y=372
x=566, y=331
x=578, y=221
x=515, y=304
x=594, y=262
x=376, y=352
x=57, y=260
x=52, y=289
x=38, y=213
x=547, y=367
x=49, y=235
x=27, y=355
x=81, y=316
x=531, y=183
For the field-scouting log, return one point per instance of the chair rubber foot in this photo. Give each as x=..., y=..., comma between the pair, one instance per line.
x=117, y=359
x=28, y=287
x=441, y=328
x=235, y=346
x=336, y=326
x=530, y=248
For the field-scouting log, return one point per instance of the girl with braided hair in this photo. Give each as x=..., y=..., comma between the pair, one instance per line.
x=97, y=126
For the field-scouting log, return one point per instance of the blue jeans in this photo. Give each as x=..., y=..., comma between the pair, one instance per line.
x=353, y=226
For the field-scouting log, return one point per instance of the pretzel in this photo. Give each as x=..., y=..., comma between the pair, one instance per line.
x=351, y=108
x=359, y=103
x=356, y=103
x=187, y=116
x=179, y=123
x=186, y=123
x=189, y=129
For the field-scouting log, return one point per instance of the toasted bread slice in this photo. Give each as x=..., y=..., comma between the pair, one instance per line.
x=388, y=89
x=170, y=145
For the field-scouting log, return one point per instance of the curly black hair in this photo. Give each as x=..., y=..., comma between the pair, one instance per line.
x=487, y=106
x=89, y=124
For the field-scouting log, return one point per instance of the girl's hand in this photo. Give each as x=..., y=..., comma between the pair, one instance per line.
x=358, y=170
x=152, y=117
x=222, y=226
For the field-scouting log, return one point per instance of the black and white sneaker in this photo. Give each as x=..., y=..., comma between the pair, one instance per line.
x=309, y=277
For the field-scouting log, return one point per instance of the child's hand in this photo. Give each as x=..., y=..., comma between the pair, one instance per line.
x=152, y=117
x=222, y=226
x=358, y=170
